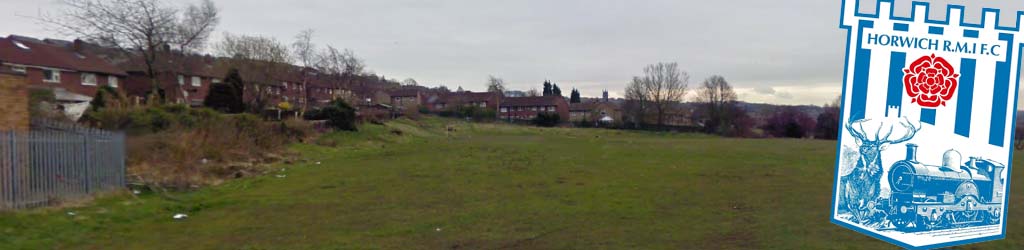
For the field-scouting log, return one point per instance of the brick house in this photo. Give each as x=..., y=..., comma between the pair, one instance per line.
x=446, y=101
x=595, y=112
x=183, y=79
x=408, y=97
x=321, y=90
x=73, y=73
x=527, y=108
x=305, y=89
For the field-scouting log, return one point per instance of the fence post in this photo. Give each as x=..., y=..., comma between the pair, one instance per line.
x=9, y=192
x=88, y=163
x=15, y=177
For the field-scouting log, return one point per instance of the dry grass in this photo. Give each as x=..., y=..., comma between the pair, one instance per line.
x=227, y=148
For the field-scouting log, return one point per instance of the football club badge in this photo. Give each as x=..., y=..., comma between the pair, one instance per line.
x=929, y=104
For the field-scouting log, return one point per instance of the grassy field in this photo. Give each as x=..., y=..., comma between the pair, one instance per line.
x=491, y=187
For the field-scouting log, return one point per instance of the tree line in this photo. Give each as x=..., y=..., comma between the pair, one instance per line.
x=657, y=100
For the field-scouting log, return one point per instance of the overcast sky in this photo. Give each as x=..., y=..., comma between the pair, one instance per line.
x=788, y=52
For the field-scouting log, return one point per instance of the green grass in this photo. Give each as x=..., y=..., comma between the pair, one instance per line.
x=490, y=187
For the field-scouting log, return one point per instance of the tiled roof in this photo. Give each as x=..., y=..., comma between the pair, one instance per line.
x=532, y=101
x=469, y=97
x=586, y=106
x=34, y=52
x=406, y=92
x=592, y=105
x=177, y=63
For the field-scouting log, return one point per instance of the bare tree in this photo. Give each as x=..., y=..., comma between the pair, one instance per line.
x=717, y=99
x=636, y=104
x=662, y=86
x=338, y=62
x=410, y=82
x=144, y=28
x=533, y=92
x=495, y=84
x=259, y=59
x=304, y=49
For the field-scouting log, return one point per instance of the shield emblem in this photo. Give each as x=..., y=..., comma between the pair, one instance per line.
x=929, y=104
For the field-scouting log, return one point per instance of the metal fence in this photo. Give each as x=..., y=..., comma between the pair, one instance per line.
x=57, y=162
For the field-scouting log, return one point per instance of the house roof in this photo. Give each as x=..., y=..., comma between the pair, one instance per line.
x=407, y=92
x=469, y=97
x=532, y=101
x=586, y=106
x=55, y=54
x=592, y=105
x=178, y=63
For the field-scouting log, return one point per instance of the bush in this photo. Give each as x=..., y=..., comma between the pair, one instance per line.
x=227, y=96
x=141, y=120
x=107, y=96
x=297, y=129
x=340, y=116
x=214, y=147
x=790, y=123
x=547, y=119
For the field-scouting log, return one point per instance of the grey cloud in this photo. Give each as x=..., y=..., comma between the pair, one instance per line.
x=764, y=90
x=588, y=44
x=784, y=95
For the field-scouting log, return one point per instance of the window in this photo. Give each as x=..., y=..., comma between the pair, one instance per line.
x=483, y=104
x=551, y=108
x=181, y=80
x=50, y=75
x=215, y=80
x=504, y=110
x=19, y=69
x=112, y=81
x=196, y=81
x=89, y=79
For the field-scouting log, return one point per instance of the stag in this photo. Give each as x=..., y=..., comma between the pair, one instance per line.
x=863, y=185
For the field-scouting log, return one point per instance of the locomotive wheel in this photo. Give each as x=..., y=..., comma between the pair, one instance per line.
x=933, y=221
x=901, y=218
x=902, y=222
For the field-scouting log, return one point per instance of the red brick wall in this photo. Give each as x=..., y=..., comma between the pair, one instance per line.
x=71, y=81
x=561, y=107
x=139, y=85
x=14, y=106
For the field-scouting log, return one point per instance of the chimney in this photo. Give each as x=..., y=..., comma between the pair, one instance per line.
x=77, y=45
x=911, y=152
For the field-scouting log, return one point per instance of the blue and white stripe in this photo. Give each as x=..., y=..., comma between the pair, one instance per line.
x=978, y=111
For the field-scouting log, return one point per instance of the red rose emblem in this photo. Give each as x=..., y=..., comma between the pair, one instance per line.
x=930, y=81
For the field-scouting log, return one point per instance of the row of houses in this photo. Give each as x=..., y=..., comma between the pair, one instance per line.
x=506, y=108
x=76, y=70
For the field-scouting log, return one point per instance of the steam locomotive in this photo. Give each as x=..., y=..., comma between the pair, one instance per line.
x=953, y=195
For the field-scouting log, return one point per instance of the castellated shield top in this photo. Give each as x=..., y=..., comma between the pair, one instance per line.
x=929, y=99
